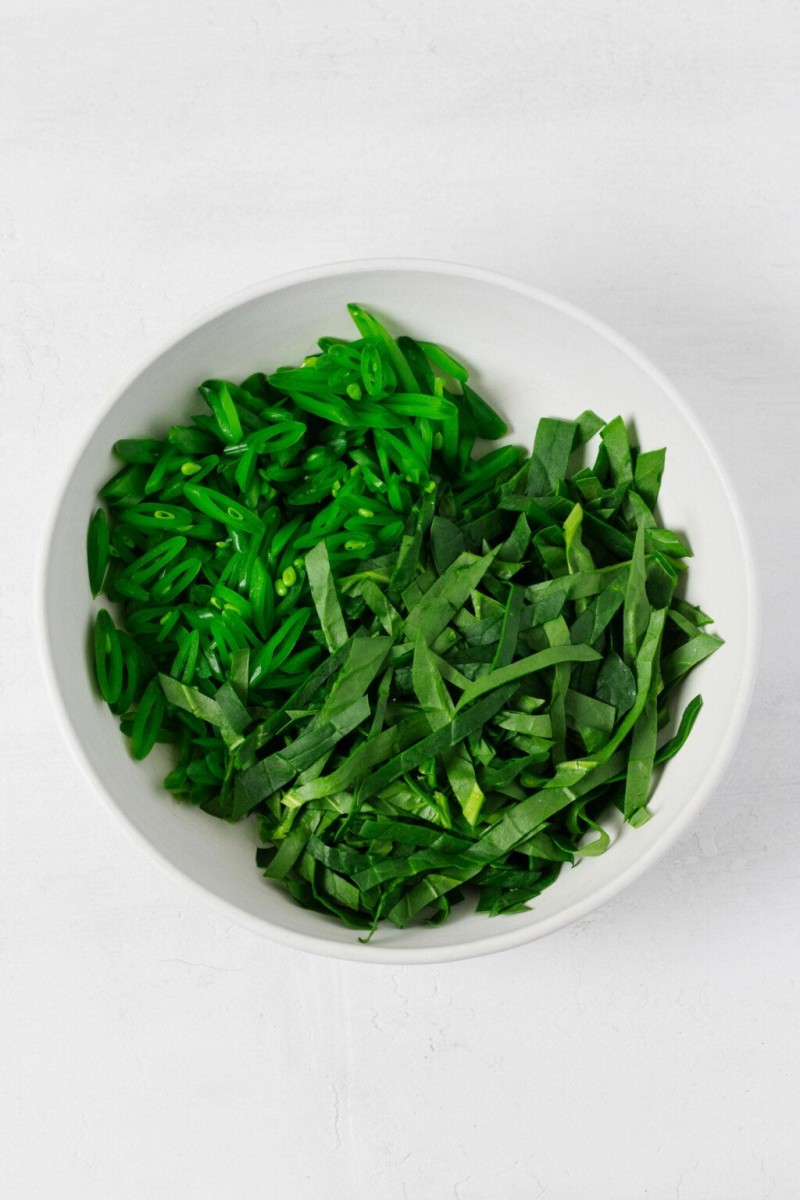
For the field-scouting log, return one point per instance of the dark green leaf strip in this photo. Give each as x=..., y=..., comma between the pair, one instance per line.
x=679, y=662
x=524, y=667
x=641, y=760
x=323, y=592
x=636, y=606
x=647, y=475
x=448, y=594
x=552, y=448
x=509, y=630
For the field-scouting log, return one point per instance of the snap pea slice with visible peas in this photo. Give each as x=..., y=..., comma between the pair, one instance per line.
x=221, y=508
x=107, y=657
x=134, y=669
x=370, y=327
x=147, y=721
x=154, y=560
x=279, y=646
x=371, y=366
x=185, y=662
x=155, y=516
x=176, y=580
x=192, y=469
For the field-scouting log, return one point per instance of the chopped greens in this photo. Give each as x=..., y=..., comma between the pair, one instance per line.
x=419, y=670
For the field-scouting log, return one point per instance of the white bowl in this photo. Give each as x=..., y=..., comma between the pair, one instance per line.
x=533, y=356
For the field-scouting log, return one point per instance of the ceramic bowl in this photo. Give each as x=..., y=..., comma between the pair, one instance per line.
x=532, y=355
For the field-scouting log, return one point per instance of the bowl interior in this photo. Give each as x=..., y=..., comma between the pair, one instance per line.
x=531, y=356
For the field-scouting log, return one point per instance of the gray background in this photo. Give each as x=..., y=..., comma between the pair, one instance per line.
x=638, y=159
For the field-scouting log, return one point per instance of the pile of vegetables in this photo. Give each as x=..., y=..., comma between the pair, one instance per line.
x=423, y=669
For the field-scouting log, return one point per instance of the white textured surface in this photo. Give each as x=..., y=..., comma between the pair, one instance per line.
x=637, y=159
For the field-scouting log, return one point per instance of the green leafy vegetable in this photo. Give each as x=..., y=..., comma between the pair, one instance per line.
x=323, y=592
x=423, y=672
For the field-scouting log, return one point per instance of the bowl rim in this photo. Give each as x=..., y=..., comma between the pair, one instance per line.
x=499, y=940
